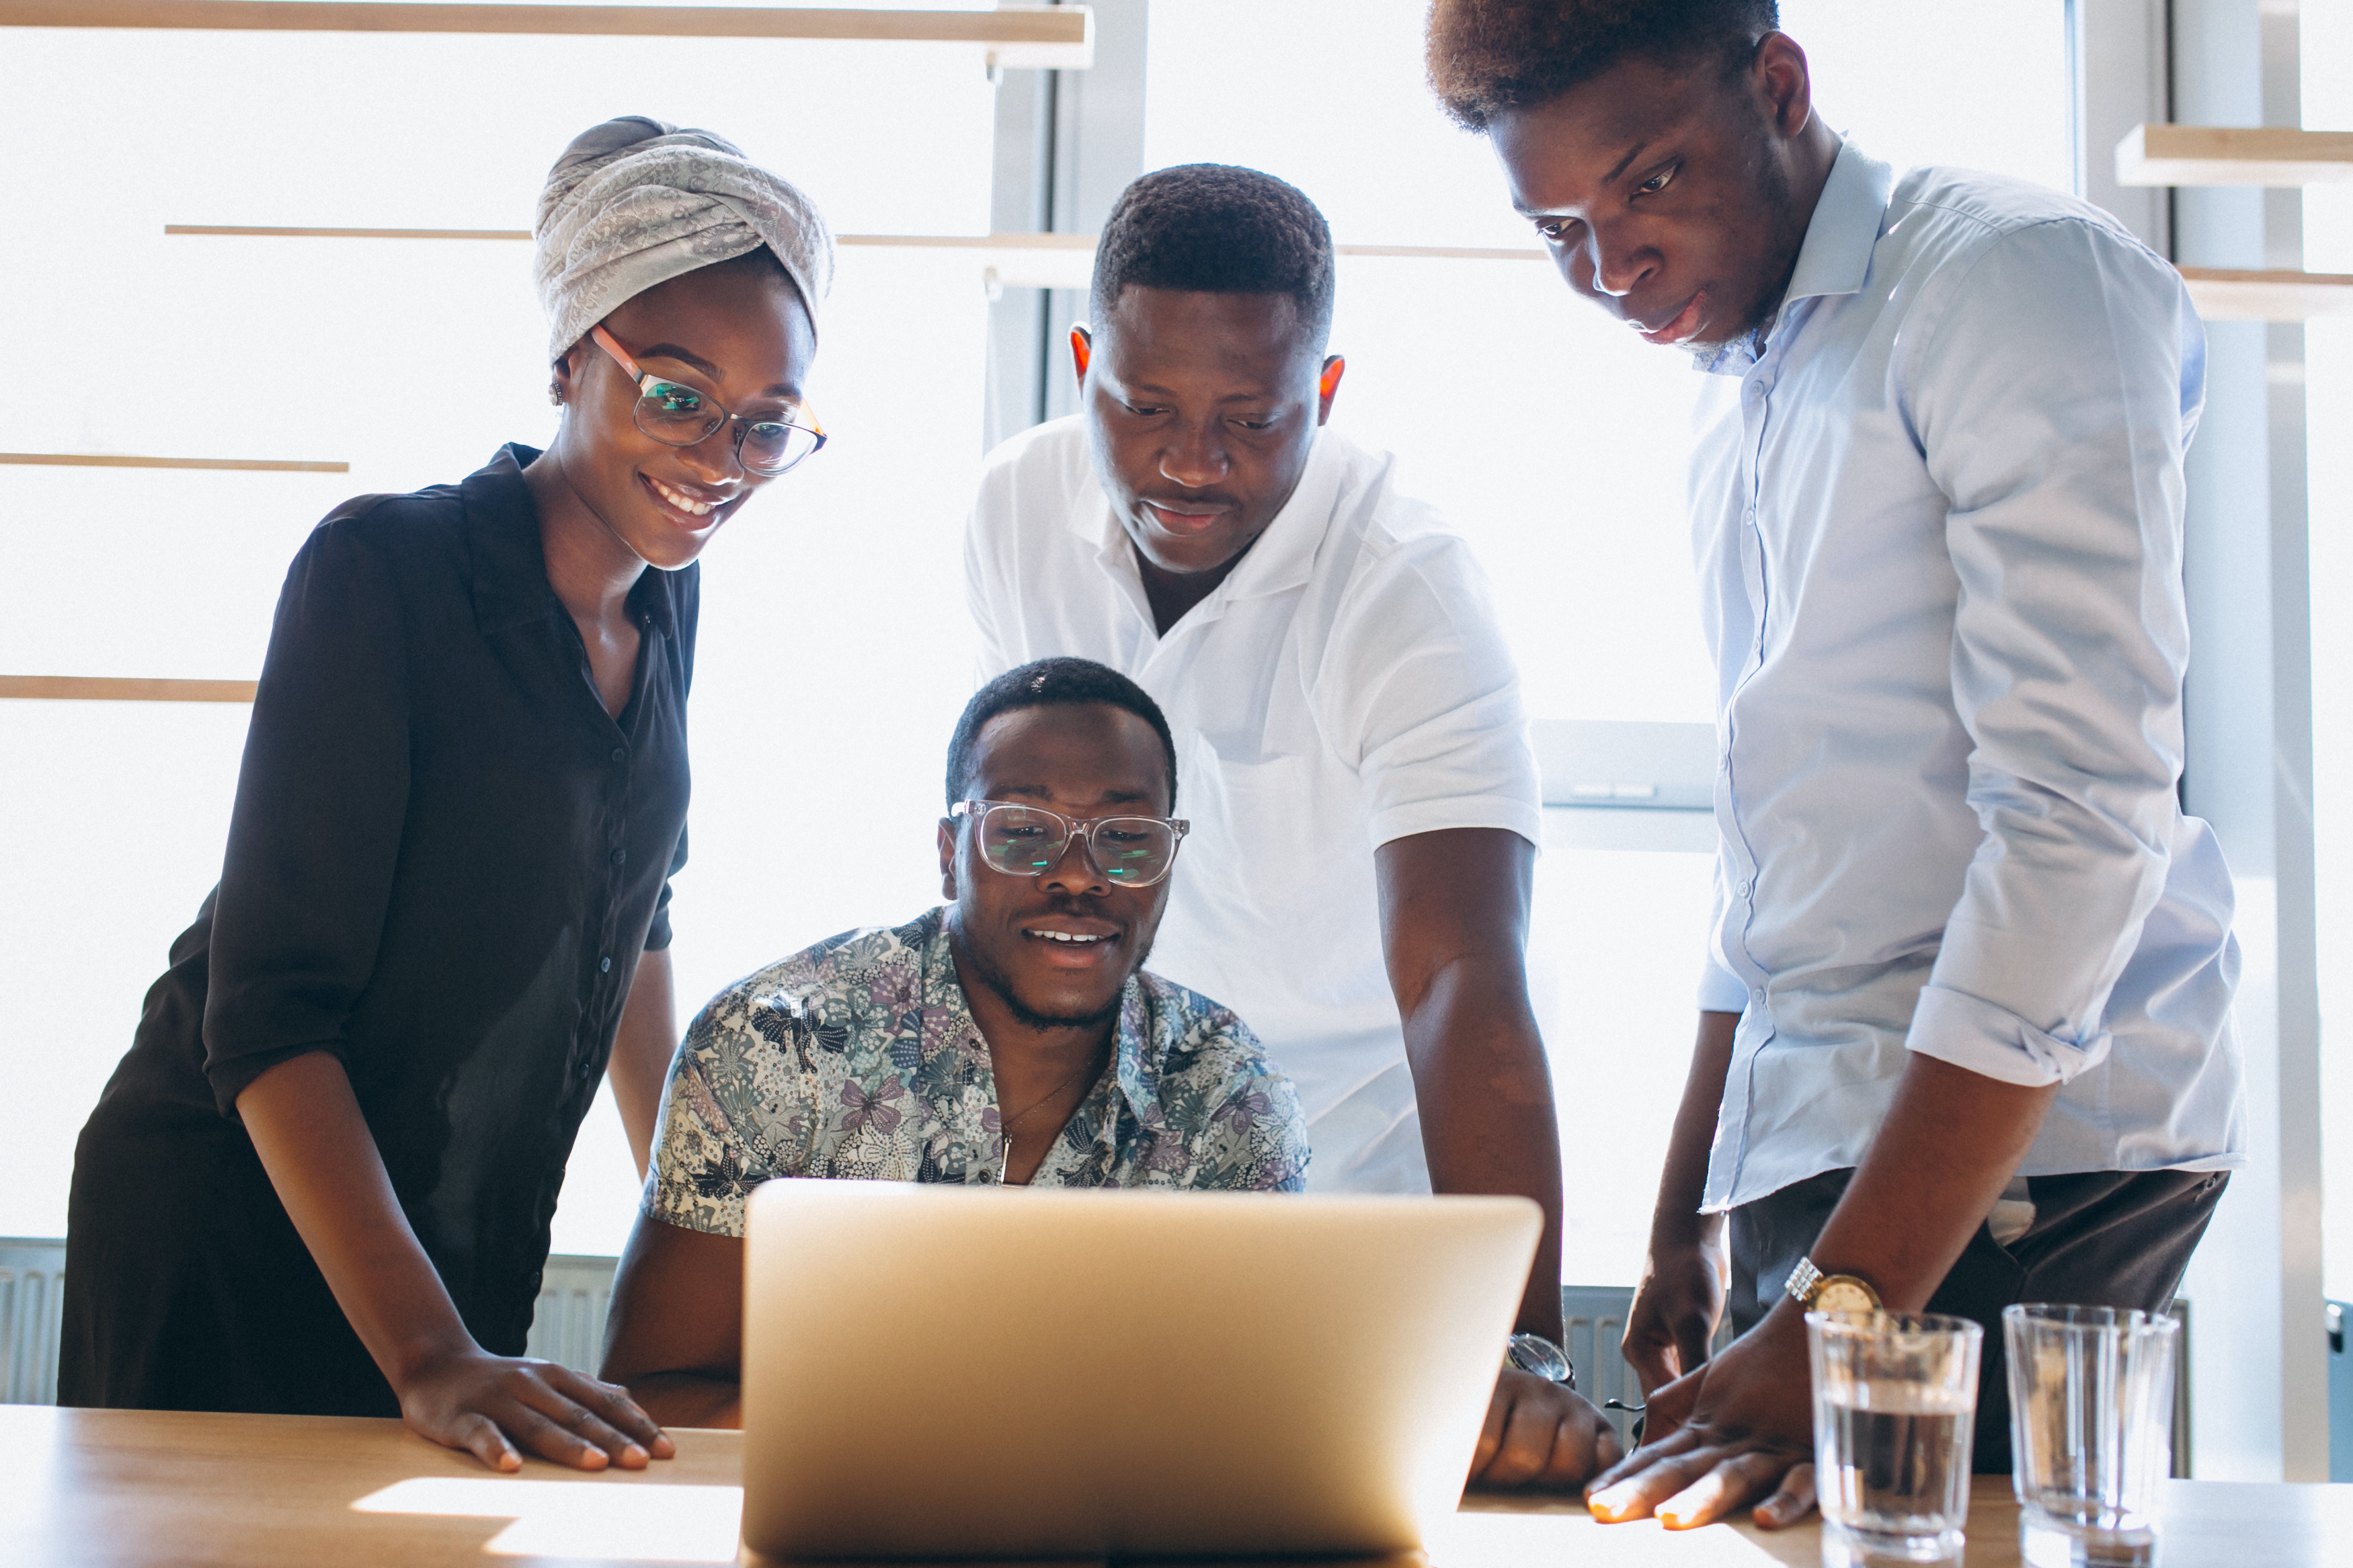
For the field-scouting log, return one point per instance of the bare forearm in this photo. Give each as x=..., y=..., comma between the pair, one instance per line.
x=1950, y=1144
x=1682, y=1182
x=642, y=1048
x=307, y=1126
x=1488, y=1122
x=690, y=1399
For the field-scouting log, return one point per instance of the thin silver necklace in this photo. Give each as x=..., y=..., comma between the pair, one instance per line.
x=1004, y=1128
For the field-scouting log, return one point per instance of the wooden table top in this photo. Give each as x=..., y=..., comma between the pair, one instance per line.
x=113, y=1489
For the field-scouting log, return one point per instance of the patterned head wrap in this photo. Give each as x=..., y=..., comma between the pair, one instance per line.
x=633, y=203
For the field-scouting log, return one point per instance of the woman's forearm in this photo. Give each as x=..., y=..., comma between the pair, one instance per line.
x=306, y=1125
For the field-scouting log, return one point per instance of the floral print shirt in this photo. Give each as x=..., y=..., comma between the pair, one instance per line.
x=858, y=1058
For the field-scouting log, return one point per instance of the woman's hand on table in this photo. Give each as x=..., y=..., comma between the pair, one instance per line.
x=1738, y=1428
x=1539, y=1434
x=488, y=1404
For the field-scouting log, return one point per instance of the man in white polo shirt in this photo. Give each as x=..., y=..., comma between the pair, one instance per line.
x=1354, y=756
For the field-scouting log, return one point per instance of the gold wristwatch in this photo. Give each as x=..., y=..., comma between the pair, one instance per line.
x=1816, y=1291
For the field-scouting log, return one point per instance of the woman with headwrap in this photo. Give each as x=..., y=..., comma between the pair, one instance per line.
x=322, y=1179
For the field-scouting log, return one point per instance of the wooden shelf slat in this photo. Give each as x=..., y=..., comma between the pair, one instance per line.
x=1028, y=37
x=242, y=231
x=106, y=460
x=121, y=688
x=2232, y=155
x=2226, y=294
x=1063, y=260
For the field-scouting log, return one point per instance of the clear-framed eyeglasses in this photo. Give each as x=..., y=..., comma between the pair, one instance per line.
x=677, y=414
x=1029, y=841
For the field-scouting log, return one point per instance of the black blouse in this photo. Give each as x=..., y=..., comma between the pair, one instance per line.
x=443, y=860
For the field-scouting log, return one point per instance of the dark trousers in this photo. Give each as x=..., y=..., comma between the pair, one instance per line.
x=2104, y=1238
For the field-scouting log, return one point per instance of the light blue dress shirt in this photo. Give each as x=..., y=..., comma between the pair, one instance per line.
x=1938, y=511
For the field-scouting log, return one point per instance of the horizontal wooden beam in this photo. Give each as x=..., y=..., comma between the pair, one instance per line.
x=105, y=461
x=1050, y=37
x=120, y=688
x=1064, y=260
x=2224, y=294
x=242, y=231
x=2232, y=155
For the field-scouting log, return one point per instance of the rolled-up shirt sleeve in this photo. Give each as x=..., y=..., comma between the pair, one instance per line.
x=315, y=833
x=2053, y=397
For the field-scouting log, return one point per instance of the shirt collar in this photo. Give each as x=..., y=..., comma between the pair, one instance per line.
x=1835, y=258
x=509, y=568
x=1278, y=560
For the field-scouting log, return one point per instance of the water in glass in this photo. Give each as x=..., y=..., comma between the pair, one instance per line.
x=1894, y=1409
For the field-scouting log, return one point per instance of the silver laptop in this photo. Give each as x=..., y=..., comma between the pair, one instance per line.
x=950, y=1372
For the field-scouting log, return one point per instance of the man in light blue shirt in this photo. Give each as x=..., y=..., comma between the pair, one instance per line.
x=1964, y=1035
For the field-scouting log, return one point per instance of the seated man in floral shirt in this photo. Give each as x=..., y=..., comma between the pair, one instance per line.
x=1011, y=1037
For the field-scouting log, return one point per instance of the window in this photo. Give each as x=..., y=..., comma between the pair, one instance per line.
x=2328, y=410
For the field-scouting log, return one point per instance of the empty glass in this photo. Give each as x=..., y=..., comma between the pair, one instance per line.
x=2091, y=1430
x=1895, y=1400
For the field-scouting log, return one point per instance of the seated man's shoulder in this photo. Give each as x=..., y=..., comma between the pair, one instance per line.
x=749, y=1093
x=1219, y=1088
x=816, y=996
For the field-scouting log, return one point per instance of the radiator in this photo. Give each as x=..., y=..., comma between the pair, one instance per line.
x=568, y=1326
x=32, y=1307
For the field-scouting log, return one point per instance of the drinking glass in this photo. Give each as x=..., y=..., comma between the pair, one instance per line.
x=2091, y=1430
x=1895, y=1400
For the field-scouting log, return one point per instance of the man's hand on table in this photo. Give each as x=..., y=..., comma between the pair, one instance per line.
x=1539, y=1434
x=487, y=1405
x=1676, y=1307
x=1739, y=1428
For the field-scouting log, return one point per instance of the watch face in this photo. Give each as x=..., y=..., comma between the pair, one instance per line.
x=1535, y=1353
x=1843, y=1296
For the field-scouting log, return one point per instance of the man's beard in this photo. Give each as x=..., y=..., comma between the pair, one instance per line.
x=1000, y=985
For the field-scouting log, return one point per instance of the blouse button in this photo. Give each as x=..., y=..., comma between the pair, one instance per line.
x=605, y=966
x=620, y=754
x=619, y=856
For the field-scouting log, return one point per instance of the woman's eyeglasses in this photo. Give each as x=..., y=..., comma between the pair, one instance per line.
x=677, y=414
x=1029, y=841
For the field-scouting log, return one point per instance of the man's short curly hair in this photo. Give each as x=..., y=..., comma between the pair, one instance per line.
x=1052, y=683
x=1217, y=229
x=1488, y=56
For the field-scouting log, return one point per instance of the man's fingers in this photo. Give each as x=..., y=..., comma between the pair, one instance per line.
x=1653, y=1361
x=1725, y=1486
x=1672, y=1445
x=1526, y=1447
x=1791, y=1502
x=1635, y=1496
x=1583, y=1442
x=1491, y=1431
x=1692, y=1345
